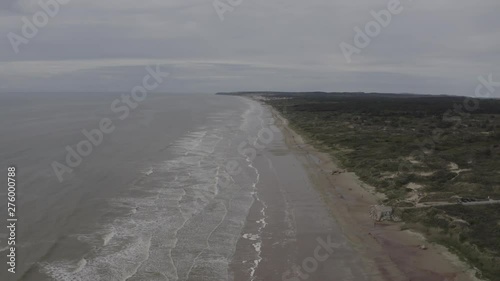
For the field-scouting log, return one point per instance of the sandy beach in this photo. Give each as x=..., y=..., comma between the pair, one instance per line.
x=336, y=208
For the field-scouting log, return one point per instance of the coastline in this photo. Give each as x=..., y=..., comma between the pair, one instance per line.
x=388, y=251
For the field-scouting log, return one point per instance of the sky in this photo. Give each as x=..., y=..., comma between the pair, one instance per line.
x=427, y=46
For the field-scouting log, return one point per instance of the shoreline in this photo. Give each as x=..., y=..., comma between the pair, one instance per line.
x=388, y=251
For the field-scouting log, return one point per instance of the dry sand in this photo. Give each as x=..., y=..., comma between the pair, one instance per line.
x=388, y=252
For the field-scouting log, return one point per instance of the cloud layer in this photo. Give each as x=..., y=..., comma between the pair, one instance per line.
x=435, y=47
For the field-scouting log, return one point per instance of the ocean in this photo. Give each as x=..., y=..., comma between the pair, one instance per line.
x=164, y=196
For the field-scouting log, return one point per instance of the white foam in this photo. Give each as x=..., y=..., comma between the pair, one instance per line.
x=175, y=191
x=257, y=247
x=118, y=265
x=148, y=172
x=262, y=221
x=250, y=236
x=81, y=264
x=108, y=237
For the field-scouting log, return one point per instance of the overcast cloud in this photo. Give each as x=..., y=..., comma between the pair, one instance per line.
x=432, y=46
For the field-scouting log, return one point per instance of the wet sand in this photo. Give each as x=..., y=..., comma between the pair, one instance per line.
x=290, y=226
x=305, y=206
